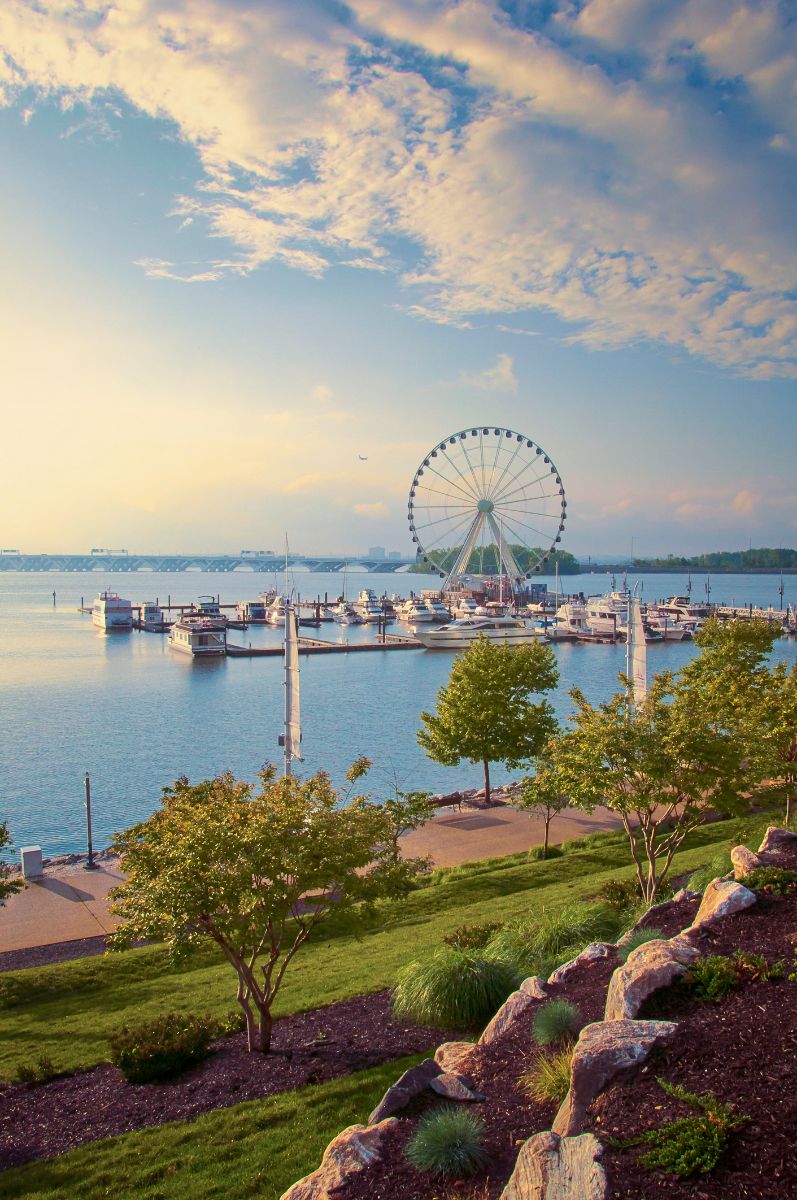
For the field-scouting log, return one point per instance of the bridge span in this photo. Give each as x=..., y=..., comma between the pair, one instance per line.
x=263, y=564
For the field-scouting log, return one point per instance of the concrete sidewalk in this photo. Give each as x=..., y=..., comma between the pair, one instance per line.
x=69, y=903
x=66, y=904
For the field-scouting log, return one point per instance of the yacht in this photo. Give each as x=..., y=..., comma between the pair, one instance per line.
x=368, y=606
x=198, y=636
x=150, y=615
x=112, y=613
x=275, y=612
x=681, y=608
x=607, y=616
x=464, y=606
x=344, y=614
x=432, y=601
x=415, y=613
x=465, y=630
x=569, y=624
x=669, y=628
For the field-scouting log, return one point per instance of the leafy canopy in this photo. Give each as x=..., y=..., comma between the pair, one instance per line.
x=257, y=871
x=8, y=883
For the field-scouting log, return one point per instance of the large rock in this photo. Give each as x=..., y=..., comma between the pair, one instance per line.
x=590, y=953
x=455, y=1056
x=410, y=1084
x=602, y=1051
x=454, y=1087
x=549, y=1167
x=350, y=1152
x=651, y=966
x=777, y=839
x=721, y=898
x=536, y=987
x=744, y=861
x=517, y=1005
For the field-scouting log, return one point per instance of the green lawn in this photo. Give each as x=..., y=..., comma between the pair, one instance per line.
x=256, y=1149
x=68, y=1010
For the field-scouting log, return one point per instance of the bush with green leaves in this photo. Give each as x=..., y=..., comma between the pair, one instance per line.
x=472, y=937
x=540, y=854
x=448, y=1141
x=164, y=1047
x=548, y=1079
x=689, y=1145
x=457, y=989
x=713, y=977
x=620, y=894
x=777, y=881
x=556, y=1021
x=39, y=1072
x=637, y=938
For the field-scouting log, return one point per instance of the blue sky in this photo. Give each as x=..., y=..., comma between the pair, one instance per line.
x=246, y=243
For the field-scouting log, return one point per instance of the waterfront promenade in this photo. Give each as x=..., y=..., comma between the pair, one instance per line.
x=69, y=904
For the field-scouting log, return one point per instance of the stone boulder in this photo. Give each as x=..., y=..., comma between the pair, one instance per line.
x=590, y=953
x=350, y=1152
x=454, y=1087
x=411, y=1083
x=550, y=1167
x=602, y=1051
x=721, y=898
x=744, y=861
x=516, y=1006
x=535, y=986
x=777, y=839
x=455, y=1056
x=651, y=966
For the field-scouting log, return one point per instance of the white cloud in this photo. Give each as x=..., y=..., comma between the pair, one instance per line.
x=376, y=509
x=526, y=171
x=498, y=378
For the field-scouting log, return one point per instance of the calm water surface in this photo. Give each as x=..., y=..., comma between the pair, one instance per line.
x=136, y=714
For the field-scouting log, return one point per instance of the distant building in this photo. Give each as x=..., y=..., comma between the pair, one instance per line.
x=395, y=554
x=376, y=552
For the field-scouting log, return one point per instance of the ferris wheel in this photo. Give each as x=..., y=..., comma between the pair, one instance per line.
x=486, y=501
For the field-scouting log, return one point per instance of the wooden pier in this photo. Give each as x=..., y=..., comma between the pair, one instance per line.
x=393, y=641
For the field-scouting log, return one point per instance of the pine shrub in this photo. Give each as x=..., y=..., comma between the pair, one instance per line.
x=556, y=1021
x=162, y=1048
x=458, y=989
x=690, y=1145
x=448, y=1141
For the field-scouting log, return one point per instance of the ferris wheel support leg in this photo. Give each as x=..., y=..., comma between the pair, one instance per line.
x=463, y=558
x=508, y=559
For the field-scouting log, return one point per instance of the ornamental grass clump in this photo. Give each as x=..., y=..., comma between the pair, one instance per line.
x=718, y=866
x=162, y=1048
x=458, y=989
x=448, y=1141
x=539, y=946
x=636, y=939
x=556, y=1021
x=548, y=1079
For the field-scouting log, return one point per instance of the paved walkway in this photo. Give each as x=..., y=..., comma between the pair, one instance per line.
x=69, y=903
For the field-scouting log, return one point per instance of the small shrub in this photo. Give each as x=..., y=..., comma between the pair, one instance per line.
x=620, y=894
x=162, y=1048
x=233, y=1022
x=455, y=988
x=448, y=1141
x=40, y=1072
x=755, y=968
x=638, y=938
x=472, y=937
x=775, y=880
x=699, y=880
x=712, y=978
x=689, y=1145
x=548, y=1079
x=556, y=1021
x=539, y=853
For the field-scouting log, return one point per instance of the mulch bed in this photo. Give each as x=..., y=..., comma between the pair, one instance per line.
x=743, y=1050
x=351, y=1035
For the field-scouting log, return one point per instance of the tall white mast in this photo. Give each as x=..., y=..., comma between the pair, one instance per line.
x=292, y=734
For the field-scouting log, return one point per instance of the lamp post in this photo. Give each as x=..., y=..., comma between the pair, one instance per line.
x=90, y=864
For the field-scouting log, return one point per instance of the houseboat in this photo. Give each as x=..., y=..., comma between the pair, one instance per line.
x=198, y=636
x=151, y=616
x=112, y=613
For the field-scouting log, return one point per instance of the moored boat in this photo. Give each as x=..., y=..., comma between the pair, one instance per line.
x=112, y=613
x=198, y=636
x=458, y=634
x=151, y=615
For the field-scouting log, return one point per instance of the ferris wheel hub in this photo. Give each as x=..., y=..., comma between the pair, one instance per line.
x=485, y=506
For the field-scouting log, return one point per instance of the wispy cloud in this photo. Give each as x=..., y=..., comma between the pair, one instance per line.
x=498, y=378
x=627, y=165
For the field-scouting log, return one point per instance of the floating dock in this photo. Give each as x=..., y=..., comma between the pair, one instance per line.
x=316, y=646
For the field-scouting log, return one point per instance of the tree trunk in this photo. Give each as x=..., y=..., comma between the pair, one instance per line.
x=266, y=1025
x=545, y=843
x=486, y=782
x=789, y=806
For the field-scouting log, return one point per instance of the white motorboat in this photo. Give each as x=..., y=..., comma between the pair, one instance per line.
x=150, y=615
x=607, y=616
x=344, y=614
x=433, y=602
x=684, y=609
x=669, y=628
x=569, y=624
x=415, y=613
x=368, y=606
x=275, y=612
x=112, y=613
x=461, y=633
x=198, y=636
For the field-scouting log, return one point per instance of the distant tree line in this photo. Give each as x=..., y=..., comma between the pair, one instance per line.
x=725, y=560
x=484, y=560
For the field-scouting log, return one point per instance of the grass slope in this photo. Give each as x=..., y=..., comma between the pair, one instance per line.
x=254, y=1149
x=67, y=1011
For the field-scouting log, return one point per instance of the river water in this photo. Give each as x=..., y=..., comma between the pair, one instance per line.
x=136, y=714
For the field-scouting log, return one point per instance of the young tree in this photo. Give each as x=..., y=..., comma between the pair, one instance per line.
x=256, y=873
x=8, y=883
x=542, y=794
x=778, y=731
x=484, y=713
x=660, y=767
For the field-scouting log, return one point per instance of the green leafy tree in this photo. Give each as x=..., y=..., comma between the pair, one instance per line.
x=543, y=794
x=8, y=883
x=659, y=766
x=484, y=713
x=778, y=744
x=257, y=872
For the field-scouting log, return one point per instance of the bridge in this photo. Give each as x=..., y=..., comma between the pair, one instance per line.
x=262, y=563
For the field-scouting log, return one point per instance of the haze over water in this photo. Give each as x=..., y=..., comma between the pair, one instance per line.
x=136, y=714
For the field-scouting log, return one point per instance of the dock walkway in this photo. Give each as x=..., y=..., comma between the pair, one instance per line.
x=393, y=641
